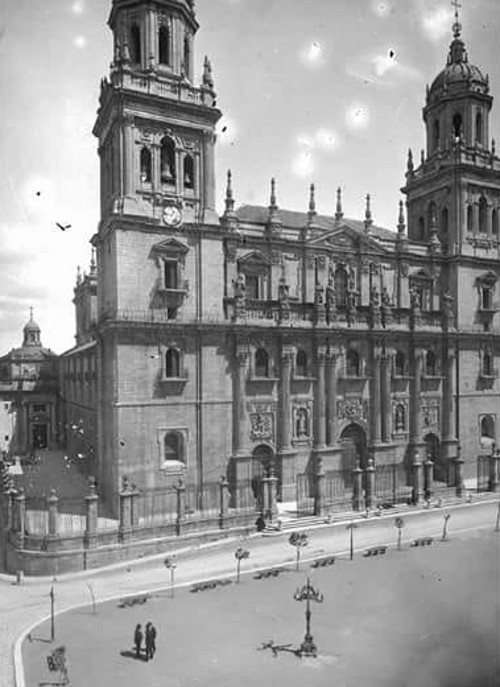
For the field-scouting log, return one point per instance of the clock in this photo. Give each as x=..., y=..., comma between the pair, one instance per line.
x=172, y=215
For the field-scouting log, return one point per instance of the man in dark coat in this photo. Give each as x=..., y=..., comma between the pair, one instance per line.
x=150, y=640
x=138, y=640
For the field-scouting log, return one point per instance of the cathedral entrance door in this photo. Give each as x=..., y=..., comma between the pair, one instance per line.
x=263, y=465
x=354, y=451
x=433, y=452
x=39, y=436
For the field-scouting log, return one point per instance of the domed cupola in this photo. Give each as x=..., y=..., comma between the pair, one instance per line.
x=459, y=76
x=31, y=332
x=458, y=102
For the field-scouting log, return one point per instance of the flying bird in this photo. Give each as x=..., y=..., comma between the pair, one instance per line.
x=63, y=227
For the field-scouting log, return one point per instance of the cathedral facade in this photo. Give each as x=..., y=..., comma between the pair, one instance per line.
x=301, y=357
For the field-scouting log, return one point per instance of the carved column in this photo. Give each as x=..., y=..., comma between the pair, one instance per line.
x=415, y=396
x=385, y=398
x=285, y=399
x=331, y=399
x=375, y=399
x=449, y=442
x=128, y=156
x=320, y=401
x=414, y=425
x=242, y=460
x=239, y=399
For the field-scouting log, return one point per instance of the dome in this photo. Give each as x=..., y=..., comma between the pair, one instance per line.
x=459, y=75
x=31, y=332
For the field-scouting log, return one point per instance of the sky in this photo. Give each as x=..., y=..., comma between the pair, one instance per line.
x=326, y=91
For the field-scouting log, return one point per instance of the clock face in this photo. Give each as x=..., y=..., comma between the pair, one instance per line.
x=172, y=216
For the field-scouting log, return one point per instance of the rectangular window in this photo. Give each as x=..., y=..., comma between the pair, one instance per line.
x=170, y=274
x=252, y=287
x=39, y=407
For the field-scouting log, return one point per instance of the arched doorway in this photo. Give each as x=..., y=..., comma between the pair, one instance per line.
x=263, y=465
x=354, y=447
x=433, y=452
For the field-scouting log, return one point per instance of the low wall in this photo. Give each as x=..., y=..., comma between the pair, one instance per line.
x=43, y=556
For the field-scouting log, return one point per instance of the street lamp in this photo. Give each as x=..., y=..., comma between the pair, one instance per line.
x=240, y=554
x=351, y=526
x=171, y=565
x=308, y=593
x=399, y=523
x=299, y=540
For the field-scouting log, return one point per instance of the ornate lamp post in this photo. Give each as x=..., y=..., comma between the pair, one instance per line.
x=308, y=593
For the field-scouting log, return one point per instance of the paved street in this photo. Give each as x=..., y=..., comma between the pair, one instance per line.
x=24, y=606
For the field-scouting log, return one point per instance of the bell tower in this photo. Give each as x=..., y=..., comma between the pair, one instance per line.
x=156, y=129
x=455, y=191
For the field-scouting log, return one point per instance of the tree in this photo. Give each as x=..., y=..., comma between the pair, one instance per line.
x=298, y=540
x=240, y=554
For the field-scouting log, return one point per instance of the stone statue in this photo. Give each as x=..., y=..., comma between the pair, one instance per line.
x=386, y=307
x=240, y=293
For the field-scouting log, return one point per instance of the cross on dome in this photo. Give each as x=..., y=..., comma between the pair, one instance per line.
x=457, y=26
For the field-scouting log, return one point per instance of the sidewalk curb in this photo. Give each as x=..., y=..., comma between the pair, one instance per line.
x=219, y=542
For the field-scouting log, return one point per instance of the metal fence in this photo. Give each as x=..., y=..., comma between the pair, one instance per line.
x=338, y=490
x=392, y=484
x=483, y=473
x=305, y=494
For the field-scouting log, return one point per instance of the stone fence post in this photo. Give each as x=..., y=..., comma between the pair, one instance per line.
x=19, y=517
x=125, y=495
x=92, y=514
x=223, y=500
x=53, y=516
x=180, y=489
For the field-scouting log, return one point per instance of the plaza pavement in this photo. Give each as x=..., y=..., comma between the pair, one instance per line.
x=23, y=607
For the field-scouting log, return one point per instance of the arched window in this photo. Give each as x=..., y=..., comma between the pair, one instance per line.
x=167, y=161
x=435, y=135
x=400, y=364
x=488, y=427
x=188, y=171
x=494, y=222
x=470, y=218
x=341, y=287
x=430, y=364
x=487, y=364
x=145, y=165
x=172, y=363
x=173, y=447
x=164, y=45
x=457, y=125
x=421, y=229
x=301, y=364
x=261, y=363
x=479, y=128
x=444, y=221
x=400, y=418
x=352, y=364
x=483, y=214
x=135, y=44
x=302, y=423
x=187, y=55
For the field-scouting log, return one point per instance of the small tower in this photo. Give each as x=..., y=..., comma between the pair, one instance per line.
x=31, y=333
x=338, y=210
x=273, y=222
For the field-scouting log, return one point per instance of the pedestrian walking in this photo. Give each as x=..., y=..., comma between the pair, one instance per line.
x=138, y=640
x=150, y=640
